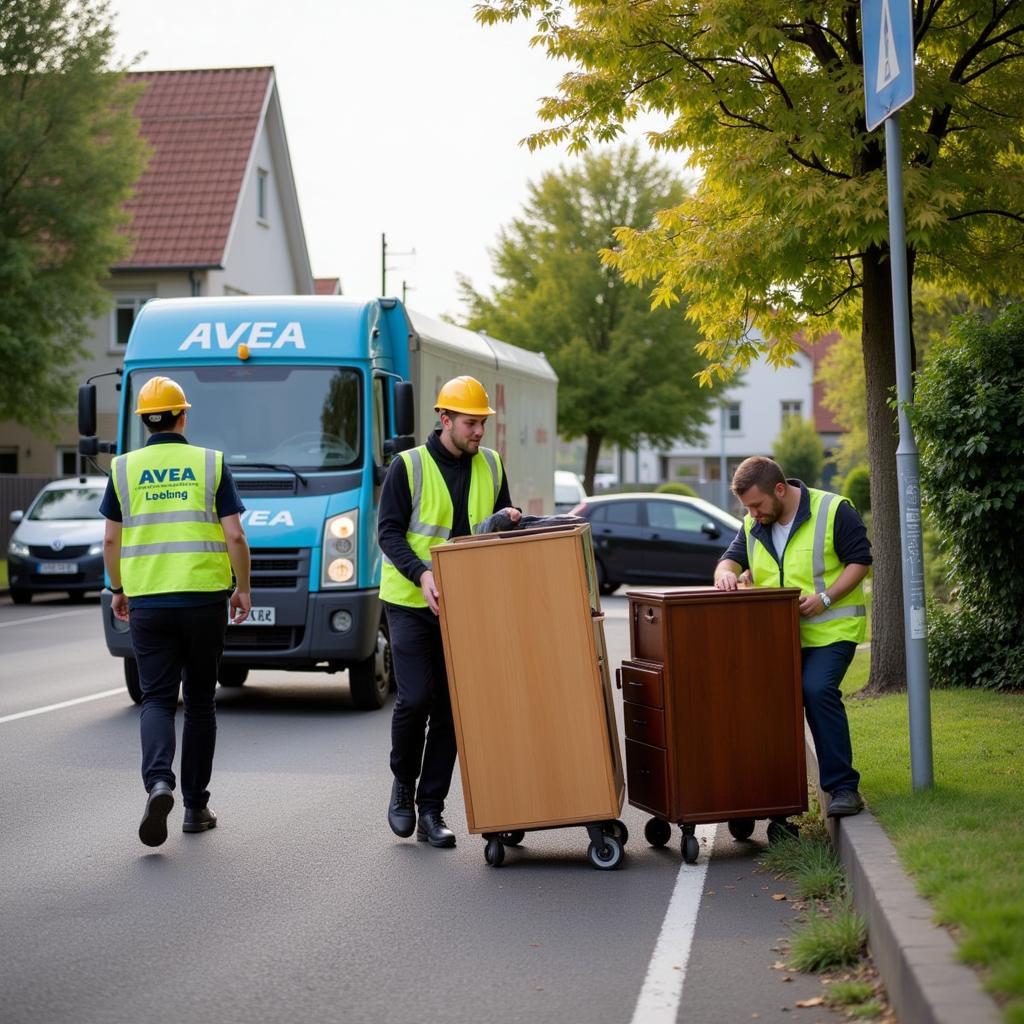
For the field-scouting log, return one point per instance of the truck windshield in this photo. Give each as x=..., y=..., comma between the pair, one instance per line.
x=304, y=417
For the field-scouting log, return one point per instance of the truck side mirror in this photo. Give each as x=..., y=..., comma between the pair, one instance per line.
x=404, y=408
x=87, y=410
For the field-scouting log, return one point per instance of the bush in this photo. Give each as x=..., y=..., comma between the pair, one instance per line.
x=969, y=418
x=799, y=451
x=673, y=488
x=857, y=487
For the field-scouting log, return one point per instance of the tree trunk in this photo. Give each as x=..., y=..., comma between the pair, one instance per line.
x=888, y=655
x=590, y=461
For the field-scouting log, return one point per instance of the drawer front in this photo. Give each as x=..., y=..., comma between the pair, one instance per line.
x=647, y=776
x=642, y=686
x=644, y=724
x=648, y=631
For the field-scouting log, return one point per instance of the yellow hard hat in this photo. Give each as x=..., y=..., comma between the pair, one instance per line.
x=161, y=394
x=465, y=395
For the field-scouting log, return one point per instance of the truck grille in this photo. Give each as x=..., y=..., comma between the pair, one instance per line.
x=278, y=485
x=279, y=568
x=263, y=638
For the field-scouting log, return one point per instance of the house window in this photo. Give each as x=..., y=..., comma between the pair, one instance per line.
x=262, y=187
x=67, y=461
x=8, y=460
x=792, y=408
x=126, y=309
x=732, y=416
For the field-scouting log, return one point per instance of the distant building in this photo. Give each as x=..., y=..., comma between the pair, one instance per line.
x=215, y=213
x=746, y=423
x=328, y=285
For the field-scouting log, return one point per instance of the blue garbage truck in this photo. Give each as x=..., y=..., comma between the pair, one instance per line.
x=309, y=397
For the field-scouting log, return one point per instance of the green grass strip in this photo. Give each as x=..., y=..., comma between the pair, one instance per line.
x=962, y=840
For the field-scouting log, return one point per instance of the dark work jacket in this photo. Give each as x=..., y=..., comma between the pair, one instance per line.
x=849, y=537
x=396, y=505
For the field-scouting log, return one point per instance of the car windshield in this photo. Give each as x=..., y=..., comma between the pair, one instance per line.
x=68, y=503
x=303, y=417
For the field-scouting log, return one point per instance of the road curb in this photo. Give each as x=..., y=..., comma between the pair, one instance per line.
x=916, y=959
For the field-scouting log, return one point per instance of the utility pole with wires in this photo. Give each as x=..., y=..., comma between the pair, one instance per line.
x=384, y=263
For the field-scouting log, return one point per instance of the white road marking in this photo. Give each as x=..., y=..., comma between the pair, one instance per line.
x=41, y=618
x=663, y=987
x=62, y=704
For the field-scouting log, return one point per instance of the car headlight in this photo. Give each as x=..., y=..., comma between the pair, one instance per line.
x=95, y=549
x=17, y=549
x=338, y=554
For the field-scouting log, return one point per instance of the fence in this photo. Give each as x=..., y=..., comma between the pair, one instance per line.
x=16, y=491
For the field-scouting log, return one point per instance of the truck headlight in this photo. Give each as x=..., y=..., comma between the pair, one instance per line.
x=17, y=549
x=338, y=555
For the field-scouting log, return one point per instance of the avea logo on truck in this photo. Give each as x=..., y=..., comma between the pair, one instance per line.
x=260, y=335
x=264, y=517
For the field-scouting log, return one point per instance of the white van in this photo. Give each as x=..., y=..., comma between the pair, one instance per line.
x=568, y=490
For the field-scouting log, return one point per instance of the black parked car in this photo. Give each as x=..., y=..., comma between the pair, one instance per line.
x=656, y=538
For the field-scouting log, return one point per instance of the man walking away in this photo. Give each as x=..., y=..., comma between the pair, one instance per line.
x=173, y=538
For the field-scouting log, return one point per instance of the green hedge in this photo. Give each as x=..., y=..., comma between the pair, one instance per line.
x=674, y=488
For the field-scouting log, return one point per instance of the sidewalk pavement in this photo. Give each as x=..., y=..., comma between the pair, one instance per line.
x=915, y=958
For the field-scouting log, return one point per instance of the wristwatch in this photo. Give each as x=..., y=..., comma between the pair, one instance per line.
x=825, y=599
x=116, y=590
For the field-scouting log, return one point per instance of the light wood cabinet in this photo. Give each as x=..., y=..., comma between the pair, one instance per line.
x=712, y=709
x=531, y=695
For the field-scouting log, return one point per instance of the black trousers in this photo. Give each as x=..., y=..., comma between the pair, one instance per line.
x=179, y=647
x=422, y=731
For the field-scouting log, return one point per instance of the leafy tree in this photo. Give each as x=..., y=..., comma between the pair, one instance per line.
x=841, y=374
x=69, y=156
x=625, y=371
x=970, y=422
x=798, y=449
x=787, y=229
x=857, y=487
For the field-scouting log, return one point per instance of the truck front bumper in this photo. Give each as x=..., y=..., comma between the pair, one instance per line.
x=308, y=634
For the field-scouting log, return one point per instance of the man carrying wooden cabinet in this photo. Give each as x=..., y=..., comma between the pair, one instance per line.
x=797, y=536
x=442, y=489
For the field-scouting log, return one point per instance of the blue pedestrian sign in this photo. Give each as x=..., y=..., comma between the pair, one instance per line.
x=887, y=29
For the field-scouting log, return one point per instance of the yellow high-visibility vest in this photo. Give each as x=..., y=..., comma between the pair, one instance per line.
x=171, y=539
x=433, y=513
x=810, y=563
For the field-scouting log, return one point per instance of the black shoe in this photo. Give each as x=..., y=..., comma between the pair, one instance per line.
x=432, y=829
x=153, y=827
x=401, y=813
x=198, y=819
x=845, y=802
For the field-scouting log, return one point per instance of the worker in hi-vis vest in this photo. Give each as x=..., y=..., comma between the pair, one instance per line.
x=442, y=489
x=173, y=538
x=798, y=536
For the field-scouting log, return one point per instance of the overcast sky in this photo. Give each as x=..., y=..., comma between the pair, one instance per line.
x=403, y=116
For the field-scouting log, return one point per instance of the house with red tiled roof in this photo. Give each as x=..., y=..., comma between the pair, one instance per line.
x=327, y=285
x=215, y=213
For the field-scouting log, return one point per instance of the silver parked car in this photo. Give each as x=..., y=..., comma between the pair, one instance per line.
x=58, y=543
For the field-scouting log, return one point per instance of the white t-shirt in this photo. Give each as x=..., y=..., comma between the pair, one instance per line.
x=780, y=534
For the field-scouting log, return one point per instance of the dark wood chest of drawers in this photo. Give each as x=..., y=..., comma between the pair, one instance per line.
x=712, y=704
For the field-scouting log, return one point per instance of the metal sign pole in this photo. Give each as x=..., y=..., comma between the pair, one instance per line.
x=915, y=629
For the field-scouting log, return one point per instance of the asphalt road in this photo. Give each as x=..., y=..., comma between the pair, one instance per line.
x=302, y=906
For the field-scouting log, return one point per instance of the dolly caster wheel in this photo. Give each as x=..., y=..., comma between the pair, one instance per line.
x=741, y=828
x=691, y=848
x=494, y=853
x=657, y=832
x=607, y=855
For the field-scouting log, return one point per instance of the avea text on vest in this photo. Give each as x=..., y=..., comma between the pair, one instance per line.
x=171, y=475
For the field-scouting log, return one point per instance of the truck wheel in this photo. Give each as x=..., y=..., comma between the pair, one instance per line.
x=232, y=675
x=370, y=681
x=21, y=596
x=131, y=679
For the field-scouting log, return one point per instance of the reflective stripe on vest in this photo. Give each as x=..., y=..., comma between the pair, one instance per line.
x=432, y=515
x=812, y=569
x=171, y=539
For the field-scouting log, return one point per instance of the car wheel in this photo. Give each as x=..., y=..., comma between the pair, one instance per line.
x=370, y=681
x=232, y=675
x=605, y=585
x=21, y=596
